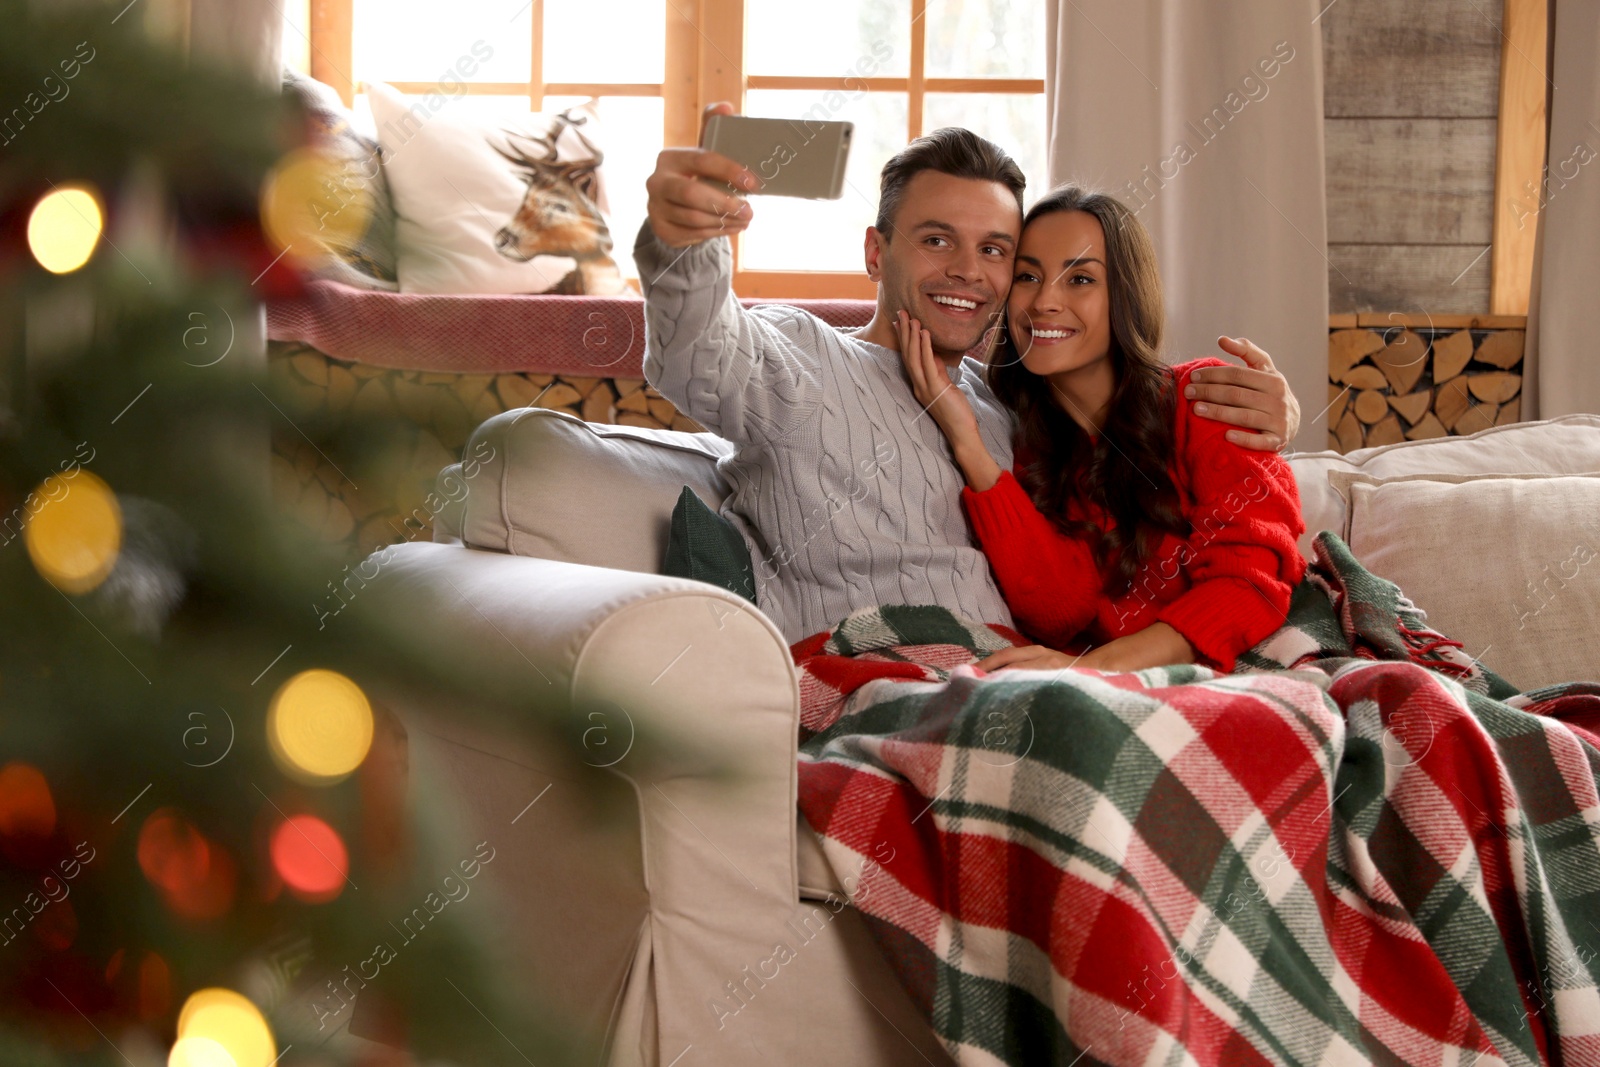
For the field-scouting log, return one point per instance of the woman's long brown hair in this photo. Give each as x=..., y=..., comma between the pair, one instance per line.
x=1126, y=472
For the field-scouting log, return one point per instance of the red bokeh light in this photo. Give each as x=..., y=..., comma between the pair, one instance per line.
x=57, y=926
x=172, y=853
x=26, y=806
x=155, y=987
x=196, y=877
x=310, y=857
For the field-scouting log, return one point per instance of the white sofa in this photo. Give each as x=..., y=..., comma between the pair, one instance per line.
x=652, y=933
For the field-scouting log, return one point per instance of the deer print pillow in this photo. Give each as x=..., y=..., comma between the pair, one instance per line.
x=495, y=206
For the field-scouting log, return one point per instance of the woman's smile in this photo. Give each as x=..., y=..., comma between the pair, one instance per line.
x=1050, y=334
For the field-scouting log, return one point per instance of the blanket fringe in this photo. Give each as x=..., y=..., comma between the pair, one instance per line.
x=1423, y=648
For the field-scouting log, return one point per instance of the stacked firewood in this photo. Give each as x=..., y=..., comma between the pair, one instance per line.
x=1405, y=384
x=624, y=401
x=432, y=415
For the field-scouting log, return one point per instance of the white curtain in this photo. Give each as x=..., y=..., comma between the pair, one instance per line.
x=1207, y=120
x=1562, y=366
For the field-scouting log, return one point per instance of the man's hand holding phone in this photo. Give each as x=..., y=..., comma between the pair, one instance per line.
x=689, y=197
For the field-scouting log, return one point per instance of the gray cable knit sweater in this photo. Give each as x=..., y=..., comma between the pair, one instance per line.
x=844, y=488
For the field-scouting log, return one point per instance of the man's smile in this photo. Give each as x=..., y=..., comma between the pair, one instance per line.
x=958, y=305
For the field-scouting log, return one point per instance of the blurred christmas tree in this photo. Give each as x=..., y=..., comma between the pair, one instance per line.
x=193, y=782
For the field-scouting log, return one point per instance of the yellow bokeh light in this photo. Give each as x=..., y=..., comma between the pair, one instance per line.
x=65, y=228
x=228, y=1019
x=310, y=199
x=319, y=726
x=199, y=1052
x=74, y=537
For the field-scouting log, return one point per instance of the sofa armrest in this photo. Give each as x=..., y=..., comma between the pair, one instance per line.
x=694, y=704
x=695, y=666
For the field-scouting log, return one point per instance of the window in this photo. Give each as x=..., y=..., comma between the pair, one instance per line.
x=895, y=68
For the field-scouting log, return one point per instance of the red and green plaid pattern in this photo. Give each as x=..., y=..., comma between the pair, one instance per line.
x=1365, y=859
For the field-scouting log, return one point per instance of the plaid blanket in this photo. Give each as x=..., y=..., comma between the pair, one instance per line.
x=1364, y=848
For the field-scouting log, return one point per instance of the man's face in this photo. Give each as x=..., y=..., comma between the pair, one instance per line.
x=947, y=259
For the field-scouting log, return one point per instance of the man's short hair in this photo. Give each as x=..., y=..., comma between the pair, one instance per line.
x=953, y=151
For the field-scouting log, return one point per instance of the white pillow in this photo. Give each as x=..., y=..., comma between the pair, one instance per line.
x=466, y=214
x=1568, y=445
x=1509, y=566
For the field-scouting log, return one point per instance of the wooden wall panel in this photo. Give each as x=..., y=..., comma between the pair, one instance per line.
x=1414, y=279
x=1411, y=95
x=1415, y=181
x=1408, y=58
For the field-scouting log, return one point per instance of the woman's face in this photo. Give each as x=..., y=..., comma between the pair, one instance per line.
x=1059, y=311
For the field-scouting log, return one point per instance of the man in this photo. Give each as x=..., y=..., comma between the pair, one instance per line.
x=844, y=489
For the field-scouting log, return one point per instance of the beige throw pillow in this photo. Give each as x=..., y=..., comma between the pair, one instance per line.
x=553, y=486
x=1508, y=565
x=1568, y=445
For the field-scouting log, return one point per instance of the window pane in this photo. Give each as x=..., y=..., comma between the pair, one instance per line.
x=791, y=234
x=430, y=40
x=828, y=38
x=297, y=36
x=465, y=108
x=631, y=134
x=605, y=40
x=985, y=38
x=1014, y=121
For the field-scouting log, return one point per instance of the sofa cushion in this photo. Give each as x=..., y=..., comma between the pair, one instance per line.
x=1509, y=566
x=582, y=492
x=1569, y=445
x=704, y=546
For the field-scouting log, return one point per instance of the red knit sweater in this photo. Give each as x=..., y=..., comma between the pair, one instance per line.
x=1224, y=588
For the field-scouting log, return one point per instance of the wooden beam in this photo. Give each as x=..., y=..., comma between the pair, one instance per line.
x=601, y=89
x=722, y=52
x=721, y=64
x=984, y=85
x=521, y=88
x=1519, y=154
x=842, y=84
x=680, y=91
x=919, y=50
x=536, y=72
x=804, y=285
x=895, y=85
x=332, y=49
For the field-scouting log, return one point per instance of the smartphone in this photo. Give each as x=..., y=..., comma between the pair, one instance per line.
x=792, y=157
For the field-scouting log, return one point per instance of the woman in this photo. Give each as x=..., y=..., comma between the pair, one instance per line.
x=1130, y=523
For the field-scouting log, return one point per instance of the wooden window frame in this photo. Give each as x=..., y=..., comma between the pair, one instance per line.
x=705, y=60
x=704, y=64
x=722, y=77
x=333, y=55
